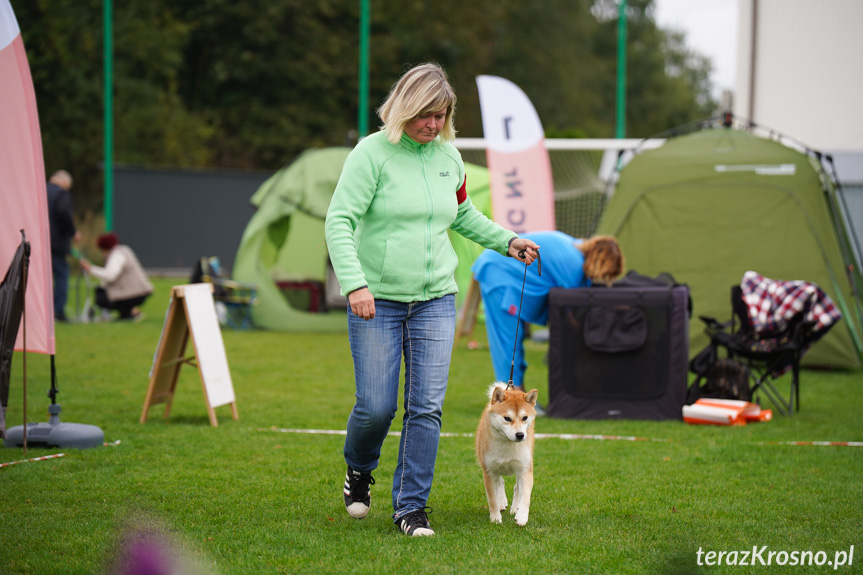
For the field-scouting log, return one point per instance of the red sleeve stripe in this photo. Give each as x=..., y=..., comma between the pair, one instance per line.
x=461, y=194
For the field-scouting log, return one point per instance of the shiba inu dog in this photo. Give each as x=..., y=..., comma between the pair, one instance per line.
x=504, y=447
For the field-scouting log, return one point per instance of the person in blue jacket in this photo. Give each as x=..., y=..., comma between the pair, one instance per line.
x=566, y=262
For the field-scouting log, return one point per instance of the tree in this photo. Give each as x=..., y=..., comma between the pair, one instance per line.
x=215, y=83
x=270, y=78
x=64, y=44
x=667, y=85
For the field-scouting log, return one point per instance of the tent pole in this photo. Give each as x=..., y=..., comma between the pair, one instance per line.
x=841, y=193
x=841, y=223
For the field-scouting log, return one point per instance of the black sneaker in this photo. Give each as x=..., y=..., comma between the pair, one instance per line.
x=415, y=523
x=358, y=495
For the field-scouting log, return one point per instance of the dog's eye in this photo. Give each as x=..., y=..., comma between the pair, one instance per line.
x=524, y=418
x=507, y=418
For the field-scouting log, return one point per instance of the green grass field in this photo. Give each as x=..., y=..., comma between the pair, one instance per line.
x=245, y=498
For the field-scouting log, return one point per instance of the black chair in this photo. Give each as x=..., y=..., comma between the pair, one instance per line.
x=237, y=298
x=768, y=356
x=12, y=290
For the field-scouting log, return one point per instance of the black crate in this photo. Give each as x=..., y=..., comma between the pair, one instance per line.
x=619, y=352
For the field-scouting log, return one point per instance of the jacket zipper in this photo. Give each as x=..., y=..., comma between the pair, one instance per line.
x=421, y=158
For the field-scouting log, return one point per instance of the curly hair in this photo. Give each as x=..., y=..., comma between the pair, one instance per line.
x=603, y=260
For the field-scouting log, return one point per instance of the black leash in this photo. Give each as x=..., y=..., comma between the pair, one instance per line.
x=521, y=254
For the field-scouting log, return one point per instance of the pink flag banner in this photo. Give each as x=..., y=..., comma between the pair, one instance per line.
x=23, y=200
x=522, y=189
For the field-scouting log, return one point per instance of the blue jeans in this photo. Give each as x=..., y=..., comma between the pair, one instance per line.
x=423, y=333
x=60, y=269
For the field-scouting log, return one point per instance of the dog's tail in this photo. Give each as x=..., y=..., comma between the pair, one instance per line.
x=496, y=384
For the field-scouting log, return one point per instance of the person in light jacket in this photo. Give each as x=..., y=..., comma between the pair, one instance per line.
x=123, y=283
x=400, y=191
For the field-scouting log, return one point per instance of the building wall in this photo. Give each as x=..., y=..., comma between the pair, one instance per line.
x=172, y=218
x=800, y=73
x=849, y=168
x=854, y=202
x=808, y=61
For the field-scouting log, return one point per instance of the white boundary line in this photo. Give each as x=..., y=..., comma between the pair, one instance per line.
x=565, y=436
x=43, y=458
x=817, y=443
x=598, y=437
x=576, y=436
x=54, y=456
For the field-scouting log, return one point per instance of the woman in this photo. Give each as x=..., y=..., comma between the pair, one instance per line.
x=566, y=263
x=124, y=284
x=400, y=190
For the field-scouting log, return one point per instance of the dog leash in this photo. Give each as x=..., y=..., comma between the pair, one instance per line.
x=510, y=384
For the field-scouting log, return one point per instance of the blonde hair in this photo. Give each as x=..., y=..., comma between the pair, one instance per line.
x=422, y=89
x=603, y=260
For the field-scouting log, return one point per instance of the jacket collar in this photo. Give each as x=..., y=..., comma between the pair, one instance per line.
x=410, y=144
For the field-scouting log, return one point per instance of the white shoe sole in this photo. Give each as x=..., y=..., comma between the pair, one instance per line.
x=357, y=510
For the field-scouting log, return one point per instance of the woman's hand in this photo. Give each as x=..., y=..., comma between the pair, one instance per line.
x=85, y=265
x=526, y=246
x=363, y=303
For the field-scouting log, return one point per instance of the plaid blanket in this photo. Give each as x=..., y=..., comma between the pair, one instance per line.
x=773, y=304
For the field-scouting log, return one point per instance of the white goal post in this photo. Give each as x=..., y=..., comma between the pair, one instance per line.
x=580, y=169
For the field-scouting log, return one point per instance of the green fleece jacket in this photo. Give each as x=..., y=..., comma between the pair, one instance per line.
x=387, y=223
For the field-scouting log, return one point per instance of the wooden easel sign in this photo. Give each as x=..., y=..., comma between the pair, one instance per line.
x=469, y=309
x=191, y=313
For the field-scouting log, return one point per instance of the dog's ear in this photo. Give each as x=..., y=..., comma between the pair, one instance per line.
x=498, y=395
x=531, y=397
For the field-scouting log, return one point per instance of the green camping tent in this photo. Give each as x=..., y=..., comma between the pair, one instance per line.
x=284, y=253
x=709, y=206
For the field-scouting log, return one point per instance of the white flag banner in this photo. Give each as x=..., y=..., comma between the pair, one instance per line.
x=522, y=188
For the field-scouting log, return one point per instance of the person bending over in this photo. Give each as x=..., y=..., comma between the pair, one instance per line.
x=123, y=283
x=566, y=262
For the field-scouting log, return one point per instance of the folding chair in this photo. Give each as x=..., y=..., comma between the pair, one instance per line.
x=776, y=348
x=237, y=298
